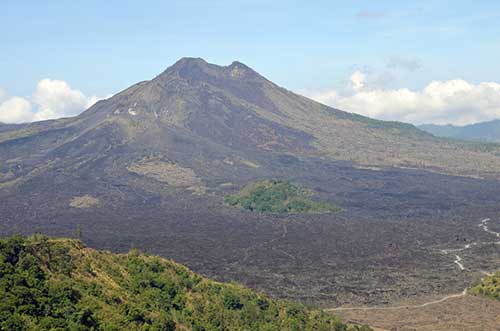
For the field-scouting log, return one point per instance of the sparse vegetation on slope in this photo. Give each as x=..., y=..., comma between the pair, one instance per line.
x=489, y=286
x=48, y=284
x=276, y=196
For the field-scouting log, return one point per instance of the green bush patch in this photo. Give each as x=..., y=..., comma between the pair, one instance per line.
x=489, y=286
x=276, y=196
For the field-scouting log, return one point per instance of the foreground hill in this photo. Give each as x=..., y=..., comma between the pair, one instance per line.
x=484, y=131
x=49, y=284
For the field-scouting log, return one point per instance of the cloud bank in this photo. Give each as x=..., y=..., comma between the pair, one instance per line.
x=441, y=102
x=51, y=99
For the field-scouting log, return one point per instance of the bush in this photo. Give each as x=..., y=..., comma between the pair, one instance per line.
x=489, y=287
x=274, y=196
x=231, y=301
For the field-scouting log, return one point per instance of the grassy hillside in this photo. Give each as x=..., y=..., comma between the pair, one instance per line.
x=489, y=286
x=275, y=196
x=50, y=284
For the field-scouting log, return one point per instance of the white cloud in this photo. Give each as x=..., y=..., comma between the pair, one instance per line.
x=55, y=98
x=454, y=101
x=3, y=95
x=15, y=110
x=358, y=80
x=93, y=100
x=51, y=99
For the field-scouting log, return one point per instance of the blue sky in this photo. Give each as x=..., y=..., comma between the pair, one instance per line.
x=101, y=47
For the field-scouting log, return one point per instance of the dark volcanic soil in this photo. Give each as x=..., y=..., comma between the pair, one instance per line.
x=383, y=247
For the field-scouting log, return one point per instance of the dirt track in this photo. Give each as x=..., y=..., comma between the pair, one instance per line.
x=468, y=313
x=464, y=312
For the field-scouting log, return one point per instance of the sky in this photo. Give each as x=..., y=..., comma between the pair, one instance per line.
x=415, y=61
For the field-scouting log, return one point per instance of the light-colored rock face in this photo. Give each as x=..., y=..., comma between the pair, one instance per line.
x=238, y=71
x=84, y=201
x=168, y=172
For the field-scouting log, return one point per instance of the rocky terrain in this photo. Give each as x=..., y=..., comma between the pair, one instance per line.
x=151, y=166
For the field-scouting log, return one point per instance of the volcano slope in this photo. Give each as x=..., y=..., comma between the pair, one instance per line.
x=150, y=167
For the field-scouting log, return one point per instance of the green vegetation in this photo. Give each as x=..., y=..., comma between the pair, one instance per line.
x=58, y=284
x=394, y=127
x=489, y=286
x=275, y=196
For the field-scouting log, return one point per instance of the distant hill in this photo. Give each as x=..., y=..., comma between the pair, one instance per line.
x=5, y=127
x=59, y=284
x=484, y=131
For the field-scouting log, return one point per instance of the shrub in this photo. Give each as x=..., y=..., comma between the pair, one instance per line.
x=275, y=196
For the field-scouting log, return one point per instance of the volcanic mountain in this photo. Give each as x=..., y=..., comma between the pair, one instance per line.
x=207, y=118
x=150, y=167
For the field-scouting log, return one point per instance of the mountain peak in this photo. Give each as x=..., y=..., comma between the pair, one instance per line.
x=240, y=70
x=200, y=62
x=190, y=61
x=198, y=69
